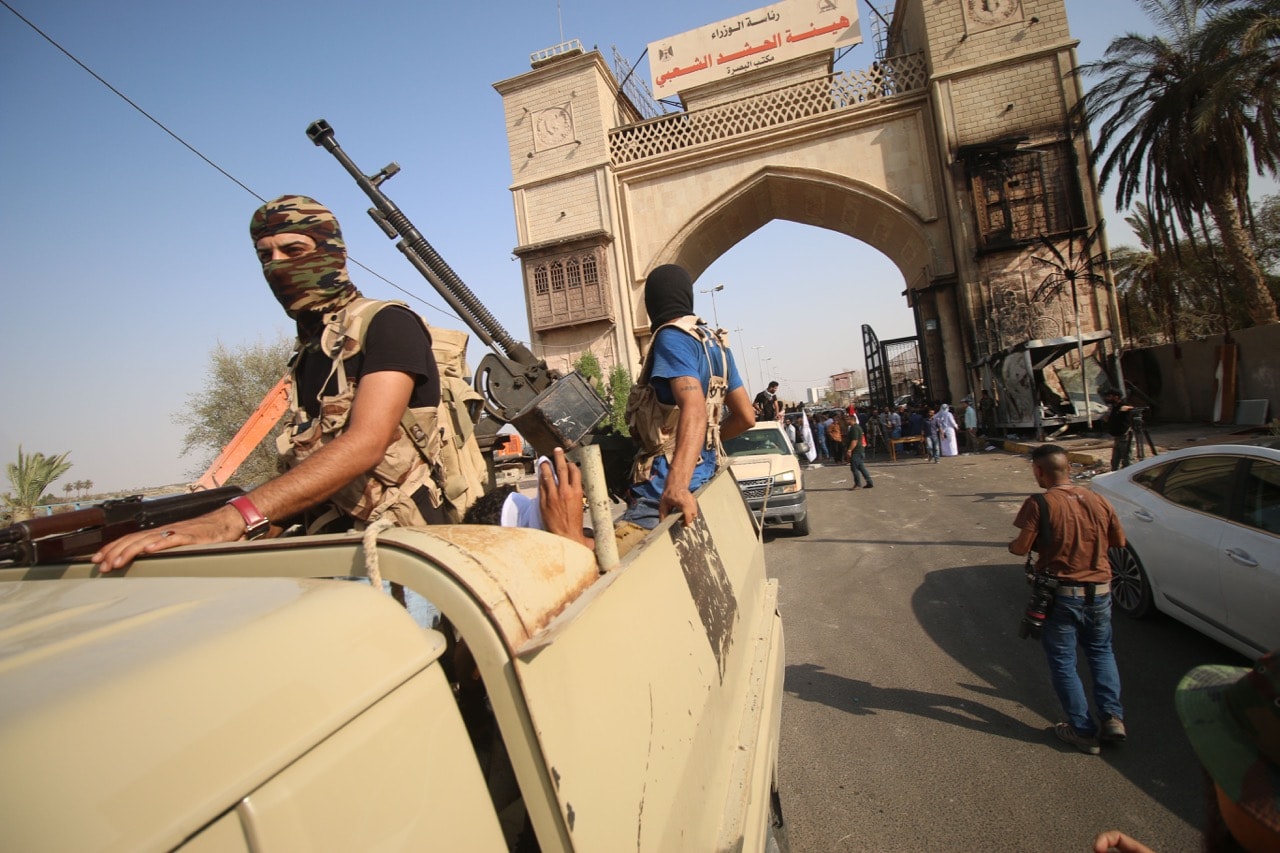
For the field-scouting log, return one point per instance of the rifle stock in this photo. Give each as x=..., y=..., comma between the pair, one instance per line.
x=83, y=531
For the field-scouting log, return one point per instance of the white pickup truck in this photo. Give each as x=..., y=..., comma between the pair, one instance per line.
x=236, y=698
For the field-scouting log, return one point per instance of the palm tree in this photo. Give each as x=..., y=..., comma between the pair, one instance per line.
x=1147, y=272
x=30, y=476
x=1182, y=116
x=68, y=488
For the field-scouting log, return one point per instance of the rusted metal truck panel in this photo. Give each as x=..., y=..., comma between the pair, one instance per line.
x=222, y=699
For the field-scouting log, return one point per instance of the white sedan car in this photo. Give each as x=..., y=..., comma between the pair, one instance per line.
x=1204, y=541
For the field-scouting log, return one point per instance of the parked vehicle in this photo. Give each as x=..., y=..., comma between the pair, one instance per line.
x=234, y=697
x=1203, y=526
x=768, y=471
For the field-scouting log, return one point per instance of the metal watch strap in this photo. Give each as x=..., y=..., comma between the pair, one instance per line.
x=256, y=524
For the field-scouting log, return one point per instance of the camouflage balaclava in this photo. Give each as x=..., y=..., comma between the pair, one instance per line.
x=316, y=282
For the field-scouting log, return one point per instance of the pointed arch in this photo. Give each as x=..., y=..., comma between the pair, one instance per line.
x=807, y=197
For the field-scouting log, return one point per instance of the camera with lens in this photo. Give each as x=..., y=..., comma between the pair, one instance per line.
x=1043, y=589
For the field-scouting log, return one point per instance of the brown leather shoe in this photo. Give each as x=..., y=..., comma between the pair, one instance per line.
x=1068, y=734
x=1112, y=730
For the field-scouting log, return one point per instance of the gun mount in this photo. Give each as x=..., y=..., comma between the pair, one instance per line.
x=550, y=410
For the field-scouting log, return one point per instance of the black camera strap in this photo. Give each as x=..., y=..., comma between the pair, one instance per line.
x=1045, y=534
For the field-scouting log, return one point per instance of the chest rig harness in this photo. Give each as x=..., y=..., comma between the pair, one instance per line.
x=653, y=423
x=434, y=447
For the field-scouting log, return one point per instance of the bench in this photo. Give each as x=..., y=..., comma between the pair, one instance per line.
x=894, y=443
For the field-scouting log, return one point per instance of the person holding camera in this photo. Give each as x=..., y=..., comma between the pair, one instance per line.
x=1081, y=526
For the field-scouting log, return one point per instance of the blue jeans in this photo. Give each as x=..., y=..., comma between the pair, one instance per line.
x=1073, y=622
x=644, y=512
x=857, y=466
x=931, y=445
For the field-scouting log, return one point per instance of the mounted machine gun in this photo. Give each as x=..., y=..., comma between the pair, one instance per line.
x=550, y=410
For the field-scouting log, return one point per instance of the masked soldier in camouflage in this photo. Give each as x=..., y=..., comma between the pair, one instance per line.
x=303, y=258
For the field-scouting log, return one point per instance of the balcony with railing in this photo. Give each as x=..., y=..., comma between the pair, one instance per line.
x=767, y=110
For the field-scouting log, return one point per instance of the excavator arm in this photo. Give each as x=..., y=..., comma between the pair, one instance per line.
x=256, y=428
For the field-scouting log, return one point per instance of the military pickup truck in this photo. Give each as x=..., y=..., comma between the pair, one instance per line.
x=237, y=698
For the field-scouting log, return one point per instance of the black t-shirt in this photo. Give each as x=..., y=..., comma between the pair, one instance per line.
x=395, y=340
x=768, y=404
x=1117, y=420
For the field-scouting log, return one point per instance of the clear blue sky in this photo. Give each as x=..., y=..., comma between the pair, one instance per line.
x=126, y=257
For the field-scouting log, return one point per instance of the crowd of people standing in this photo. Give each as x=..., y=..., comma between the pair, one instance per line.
x=942, y=431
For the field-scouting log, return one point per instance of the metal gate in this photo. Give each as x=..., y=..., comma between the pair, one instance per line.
x=877, y=377
x=895, y=369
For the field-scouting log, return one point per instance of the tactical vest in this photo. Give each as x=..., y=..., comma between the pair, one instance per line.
x=434, y=447
x=653, y=423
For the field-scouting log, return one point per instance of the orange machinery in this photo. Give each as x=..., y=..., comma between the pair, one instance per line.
x=250, y=435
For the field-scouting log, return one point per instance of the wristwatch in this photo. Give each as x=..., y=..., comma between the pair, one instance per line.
x=256, y=524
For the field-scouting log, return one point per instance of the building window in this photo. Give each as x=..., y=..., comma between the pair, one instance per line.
x=1021, y=194
x=568, y=288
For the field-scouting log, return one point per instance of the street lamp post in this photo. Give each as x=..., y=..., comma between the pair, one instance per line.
x=760, y=358
x=743, y=349
x=713, y=291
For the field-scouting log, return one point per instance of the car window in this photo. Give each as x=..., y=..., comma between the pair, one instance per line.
x=1148, y=477
x=1201, y=483
x=1261, y=506
x=757, y=443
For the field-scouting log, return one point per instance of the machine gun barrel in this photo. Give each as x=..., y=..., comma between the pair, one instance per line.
x=421, y=253
x=517, y=386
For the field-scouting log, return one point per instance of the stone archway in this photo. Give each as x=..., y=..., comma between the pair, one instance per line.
x=819, y=199
x=951, y=153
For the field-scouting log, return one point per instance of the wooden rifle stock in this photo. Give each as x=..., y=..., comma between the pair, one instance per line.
x=83, y=531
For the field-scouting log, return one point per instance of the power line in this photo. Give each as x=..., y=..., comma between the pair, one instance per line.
x=196, y=152
x=127, y=100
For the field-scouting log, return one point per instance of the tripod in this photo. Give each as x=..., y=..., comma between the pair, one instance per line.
x=1139, y=435
x=875, y=436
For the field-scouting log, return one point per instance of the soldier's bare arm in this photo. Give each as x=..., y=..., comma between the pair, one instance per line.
x=380, y=401
x=691, y=436
x=742, y=415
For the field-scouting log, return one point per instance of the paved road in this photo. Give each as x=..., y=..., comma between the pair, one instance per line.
x=914, y=717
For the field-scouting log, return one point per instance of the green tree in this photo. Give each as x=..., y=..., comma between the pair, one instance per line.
x=1182, y=114
x=30, y=476
x=589, y=366
x=619, y=392
x=1174, y=289
x=614, y=392
x=237, y=380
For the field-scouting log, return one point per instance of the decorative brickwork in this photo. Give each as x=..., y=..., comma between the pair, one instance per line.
x=767, y=110
x=1016, y=99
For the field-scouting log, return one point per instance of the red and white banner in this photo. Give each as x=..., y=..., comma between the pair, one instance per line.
x=758, y=39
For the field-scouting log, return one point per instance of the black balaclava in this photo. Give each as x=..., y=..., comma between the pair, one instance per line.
x=668, y=294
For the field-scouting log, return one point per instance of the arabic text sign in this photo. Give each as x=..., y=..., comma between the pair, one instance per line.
x=756, y=39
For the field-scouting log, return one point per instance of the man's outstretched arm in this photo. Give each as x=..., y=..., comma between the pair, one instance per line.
x=375, y=414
